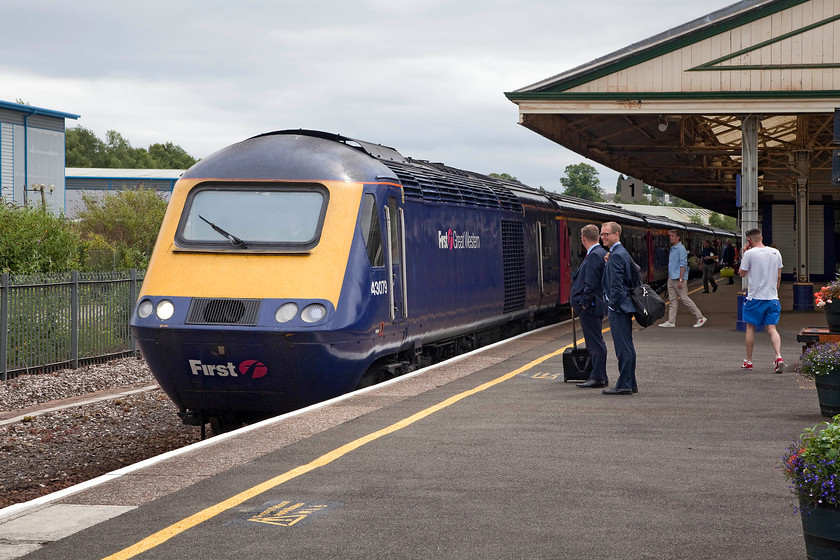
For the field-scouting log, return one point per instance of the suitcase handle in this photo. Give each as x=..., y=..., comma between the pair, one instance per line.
x=574, y=332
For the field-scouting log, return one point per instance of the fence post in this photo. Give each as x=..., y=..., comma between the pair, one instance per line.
x=133, y=302
x=4, y=323
x=74, y=319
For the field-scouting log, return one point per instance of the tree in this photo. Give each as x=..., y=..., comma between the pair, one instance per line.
x=723, y=222
x=617, y=197
x=170, y=156
x=715, y=220
x=504, y=176
x=84, y=149
x=119, y=153
x=582, y=181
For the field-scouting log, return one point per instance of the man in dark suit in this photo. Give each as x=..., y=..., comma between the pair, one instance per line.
x=618, y=281
x=587, y=299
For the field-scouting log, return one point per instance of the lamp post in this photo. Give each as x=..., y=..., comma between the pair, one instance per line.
x=41, y=187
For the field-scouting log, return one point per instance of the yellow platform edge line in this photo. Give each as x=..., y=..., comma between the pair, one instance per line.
x=187, y=523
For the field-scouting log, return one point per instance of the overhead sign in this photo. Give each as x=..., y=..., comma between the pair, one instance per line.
x=631, y=190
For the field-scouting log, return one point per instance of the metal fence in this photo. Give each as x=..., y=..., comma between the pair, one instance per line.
x=56, y=321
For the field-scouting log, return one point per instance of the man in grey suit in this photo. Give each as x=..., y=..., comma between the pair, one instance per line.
x=618, y=281
x=587, y=299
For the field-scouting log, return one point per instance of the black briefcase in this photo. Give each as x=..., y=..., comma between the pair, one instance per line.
x=577, y=363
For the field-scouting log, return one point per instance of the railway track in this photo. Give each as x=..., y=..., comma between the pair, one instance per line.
x=67, y=427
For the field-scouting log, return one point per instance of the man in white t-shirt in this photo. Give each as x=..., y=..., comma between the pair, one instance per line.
x=762, y=267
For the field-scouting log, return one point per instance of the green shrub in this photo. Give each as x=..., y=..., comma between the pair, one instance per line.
x=33, y=241
x=121, y=228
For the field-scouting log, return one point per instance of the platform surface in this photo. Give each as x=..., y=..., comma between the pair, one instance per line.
x=489, y=456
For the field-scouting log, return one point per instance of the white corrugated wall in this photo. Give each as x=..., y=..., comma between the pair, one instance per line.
x=7, y=162
x=785, y=239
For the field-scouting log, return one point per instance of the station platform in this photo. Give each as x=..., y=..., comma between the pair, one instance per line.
x=490, y=455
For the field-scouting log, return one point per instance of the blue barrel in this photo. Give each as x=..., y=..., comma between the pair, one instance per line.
x=803, y=296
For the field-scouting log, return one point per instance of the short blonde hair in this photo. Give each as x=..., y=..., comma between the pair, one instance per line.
x=614, y=227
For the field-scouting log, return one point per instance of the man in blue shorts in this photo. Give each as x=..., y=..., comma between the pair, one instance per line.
x=762, y=267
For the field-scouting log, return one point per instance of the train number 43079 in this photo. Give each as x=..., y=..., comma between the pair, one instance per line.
x=379, y=288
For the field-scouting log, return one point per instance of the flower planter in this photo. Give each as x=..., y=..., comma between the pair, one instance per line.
x=828, y=393
x=832, y=316
x=821, y=530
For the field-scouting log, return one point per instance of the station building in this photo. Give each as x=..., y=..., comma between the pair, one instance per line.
x=736, y=111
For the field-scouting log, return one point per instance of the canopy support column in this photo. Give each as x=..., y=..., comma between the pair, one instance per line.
x=749, y=196
x=803, y=290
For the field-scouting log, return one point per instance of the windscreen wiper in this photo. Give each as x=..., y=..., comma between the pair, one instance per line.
x=232, y=238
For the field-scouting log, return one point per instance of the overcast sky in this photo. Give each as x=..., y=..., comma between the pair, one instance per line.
x=426, y=77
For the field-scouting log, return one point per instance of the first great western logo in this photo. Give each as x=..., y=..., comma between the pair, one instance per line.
x=452, y=240
x=248, y=368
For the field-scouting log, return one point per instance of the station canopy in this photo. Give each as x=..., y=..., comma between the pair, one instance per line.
x=668, y=110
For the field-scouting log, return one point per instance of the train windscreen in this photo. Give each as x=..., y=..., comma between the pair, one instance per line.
x=247, y=216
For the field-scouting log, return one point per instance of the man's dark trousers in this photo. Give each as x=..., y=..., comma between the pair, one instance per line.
x=590, y=324
x=621, y=326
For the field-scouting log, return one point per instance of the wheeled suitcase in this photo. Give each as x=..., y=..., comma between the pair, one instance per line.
x=577, y=363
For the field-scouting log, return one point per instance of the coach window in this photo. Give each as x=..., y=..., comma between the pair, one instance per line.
x=546, y=241
x=395, y=231
x=371, y=232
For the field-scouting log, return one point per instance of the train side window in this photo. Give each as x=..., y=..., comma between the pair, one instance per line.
x=371, y=232
x=395, y=231
x=546, y=241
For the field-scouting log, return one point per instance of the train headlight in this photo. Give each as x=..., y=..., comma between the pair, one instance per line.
x=286, y=312
x=165, y=309
x=145, y=309
x=313, y=313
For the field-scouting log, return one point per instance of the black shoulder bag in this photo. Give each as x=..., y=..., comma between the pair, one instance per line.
x=649, y=306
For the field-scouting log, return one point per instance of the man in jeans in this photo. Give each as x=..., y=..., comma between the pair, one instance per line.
x=709, y=259
x=678, y=282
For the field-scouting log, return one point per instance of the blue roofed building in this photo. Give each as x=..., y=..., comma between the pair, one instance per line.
x=96, y=182
x=32, y=156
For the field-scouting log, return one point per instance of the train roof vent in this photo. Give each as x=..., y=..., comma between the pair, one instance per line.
x=411, y=187
x=507, y=199
x=217, y=311
x=447, y=190
x=434, y=183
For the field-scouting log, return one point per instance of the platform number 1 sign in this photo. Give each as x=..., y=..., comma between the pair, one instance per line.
x=631, y=190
